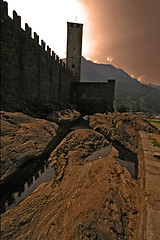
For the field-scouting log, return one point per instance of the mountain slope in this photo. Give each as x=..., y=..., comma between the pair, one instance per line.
x=154, y=86
x=128, y=91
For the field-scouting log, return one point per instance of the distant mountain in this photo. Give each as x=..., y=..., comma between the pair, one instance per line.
x=154, y=86
x=129, y=92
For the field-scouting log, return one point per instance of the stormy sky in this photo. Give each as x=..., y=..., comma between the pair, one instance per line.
x=124, y=33
x=127, y=32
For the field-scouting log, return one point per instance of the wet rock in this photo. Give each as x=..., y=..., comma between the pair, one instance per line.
x=76, y=146
x=121, y=127
x=23, y=140
x=88, y=200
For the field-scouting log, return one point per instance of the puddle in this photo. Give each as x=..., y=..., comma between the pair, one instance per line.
x=126, y=158
x=130, y=166
x=44, y=174
x=103, y=152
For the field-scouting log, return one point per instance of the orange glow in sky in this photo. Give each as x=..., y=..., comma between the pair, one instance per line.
x=123, y=33
x=49, y=20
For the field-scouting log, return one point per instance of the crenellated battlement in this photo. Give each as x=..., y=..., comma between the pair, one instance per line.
x=4, y=8
x=28, y=30
x=49, y=50
x=57, y=58
x=75, y=25
x=32, y=72
x=30, y=69
x=16, y=21
x=53, y=55
x=43, y=44
x=36, y=38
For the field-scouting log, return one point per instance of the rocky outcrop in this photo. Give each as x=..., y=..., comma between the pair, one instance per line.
x=61, y=116
x=87, y=200
x=79, y=143
x=24, y=139
x=121, y=127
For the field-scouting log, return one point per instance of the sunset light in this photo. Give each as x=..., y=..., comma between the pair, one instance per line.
x=123, y=33
x=50, y=20
x=80, y=119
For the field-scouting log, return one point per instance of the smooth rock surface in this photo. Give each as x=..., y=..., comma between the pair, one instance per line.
x=79, y=143
x=121, y=127
x=23, y=139
x=88, y=200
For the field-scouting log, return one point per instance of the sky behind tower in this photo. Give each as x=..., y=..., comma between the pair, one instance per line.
x=124, y=33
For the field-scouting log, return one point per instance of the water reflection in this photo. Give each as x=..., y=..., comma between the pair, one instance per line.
x=30, y=181
x=42, y=169
x=11, y=199
x=21, y=190
x=101, y=153
x=126, y=158
x=45, y=174
x=130, y=166
x=36, y=175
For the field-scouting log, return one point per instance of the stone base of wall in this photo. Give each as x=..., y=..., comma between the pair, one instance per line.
x=149, y=183
x=93, y=97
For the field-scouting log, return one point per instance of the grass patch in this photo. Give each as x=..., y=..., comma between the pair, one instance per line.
x=155, y=142
x=154, y=121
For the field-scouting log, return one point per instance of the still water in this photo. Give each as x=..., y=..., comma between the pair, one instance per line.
x=101, y=153
x=125, y=159
x=130, y=166
x=44, y=174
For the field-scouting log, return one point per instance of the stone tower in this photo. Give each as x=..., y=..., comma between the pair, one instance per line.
x=74, y=48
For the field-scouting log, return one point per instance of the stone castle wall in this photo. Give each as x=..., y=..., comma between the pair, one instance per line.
x=34, y=74
x=92, y=97
x=28, y=70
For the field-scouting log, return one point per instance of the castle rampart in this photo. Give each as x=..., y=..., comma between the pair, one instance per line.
x=92, y=97
x=33, y=73
x=29, y=70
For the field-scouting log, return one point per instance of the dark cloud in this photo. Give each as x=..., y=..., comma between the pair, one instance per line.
x=128, y=31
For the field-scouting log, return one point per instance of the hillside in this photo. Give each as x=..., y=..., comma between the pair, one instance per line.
x=128, y=91
x=154, y=86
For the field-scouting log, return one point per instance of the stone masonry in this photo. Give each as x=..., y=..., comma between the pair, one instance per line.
x=33, y=74
x=149, y=183
x=74, y=48
x=29, y=69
